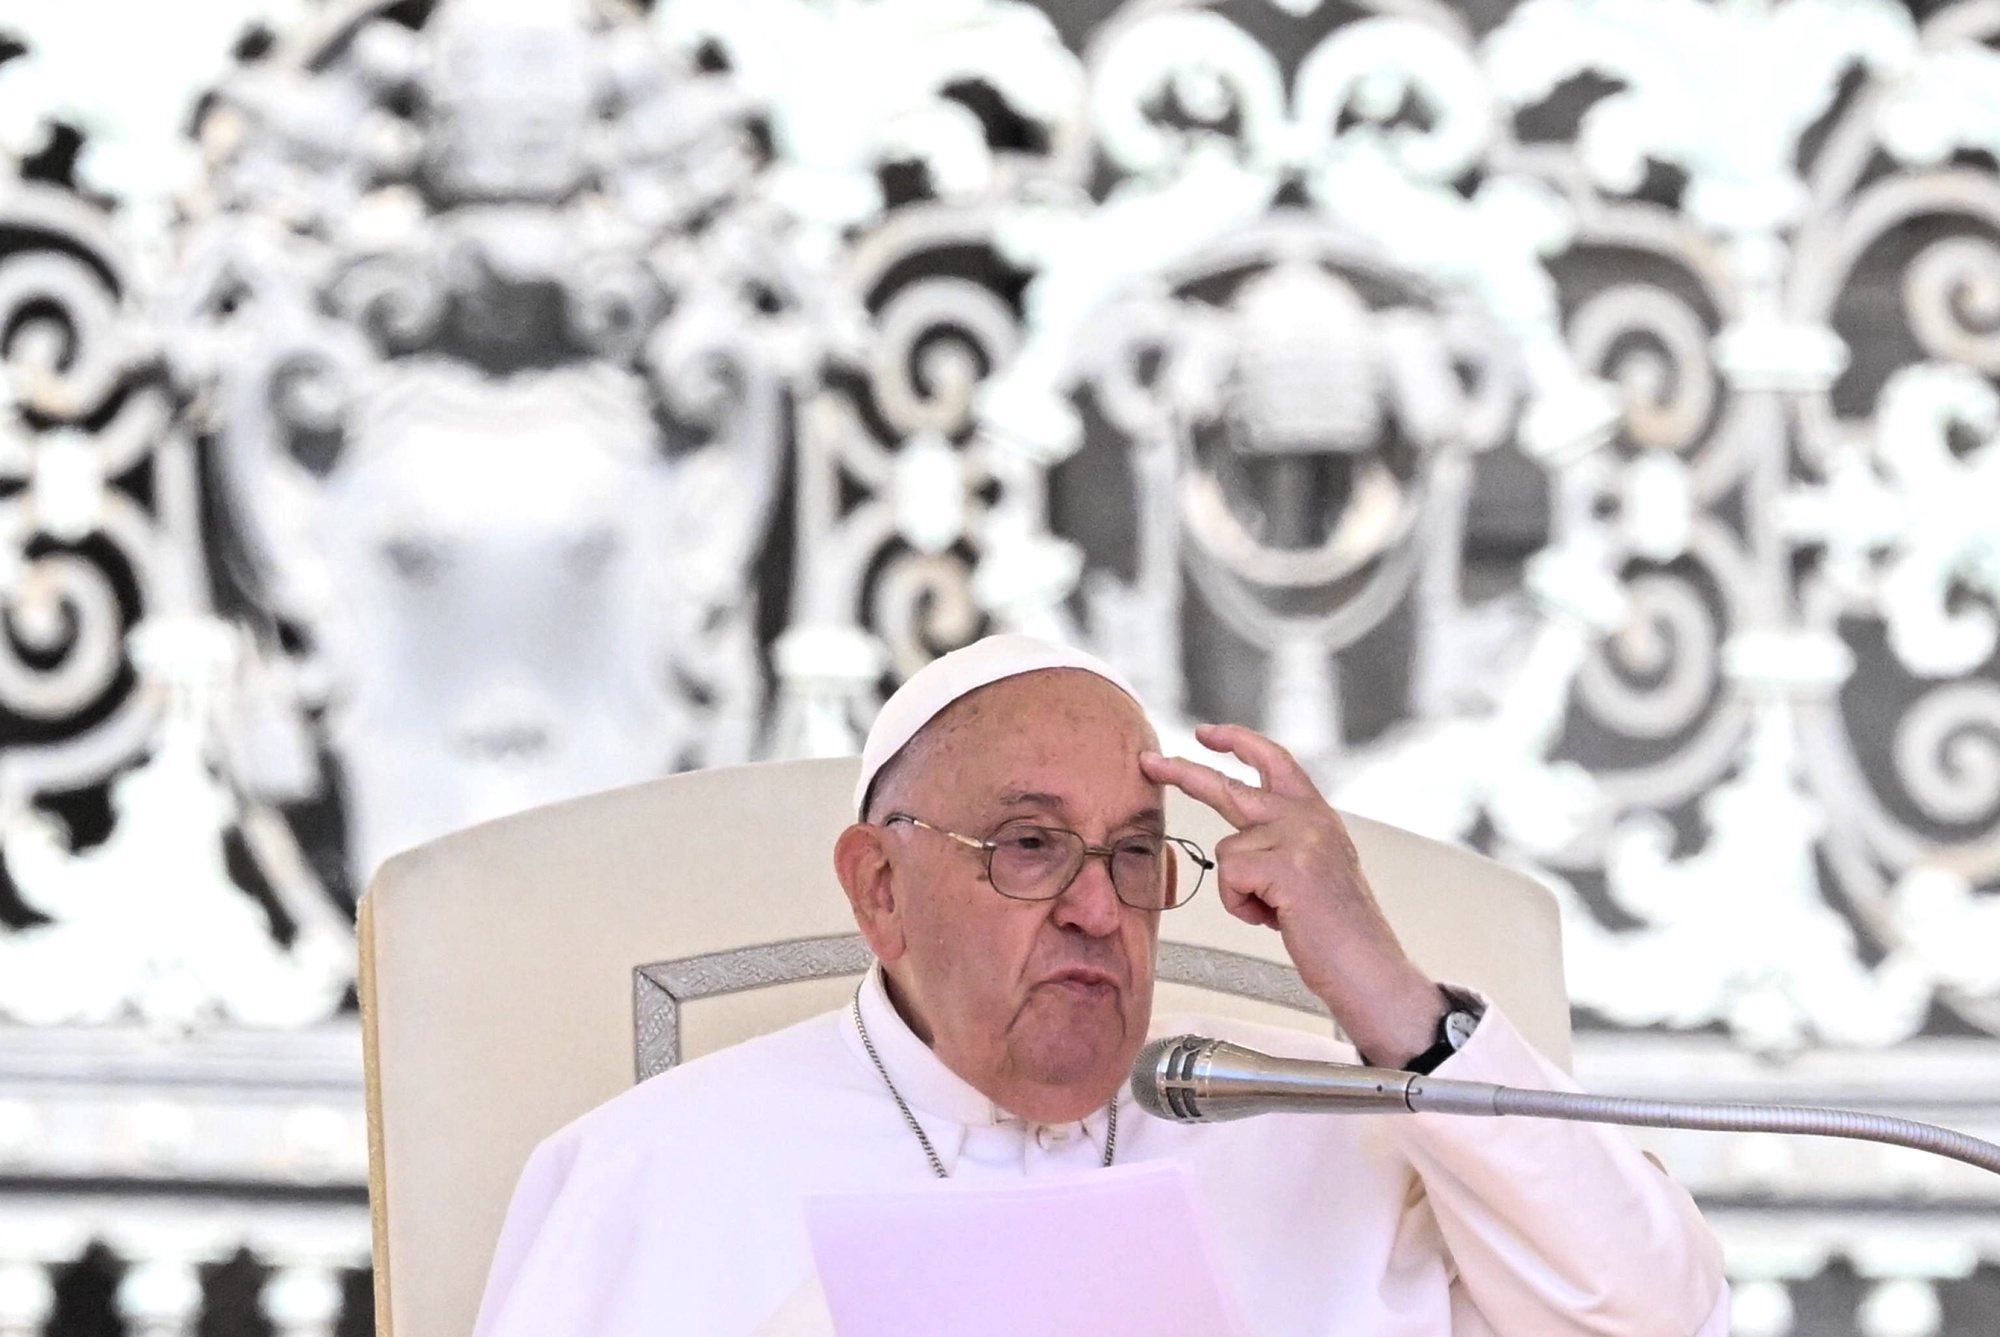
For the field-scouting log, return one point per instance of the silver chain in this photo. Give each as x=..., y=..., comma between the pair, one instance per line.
x=910, y=1118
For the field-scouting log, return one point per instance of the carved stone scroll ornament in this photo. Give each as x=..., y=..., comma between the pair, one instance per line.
x=110, y=670
x=1775, y=683
x=1292, y=502
x=913, y=530
x=1405, y=322
x=493, y=344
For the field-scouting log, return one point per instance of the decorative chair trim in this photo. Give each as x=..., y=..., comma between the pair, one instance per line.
x=659, y=989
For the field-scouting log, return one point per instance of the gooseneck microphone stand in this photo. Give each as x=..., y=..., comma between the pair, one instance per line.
x=1189, y=1079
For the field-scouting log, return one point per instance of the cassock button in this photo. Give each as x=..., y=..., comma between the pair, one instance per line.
x=1050, y=1136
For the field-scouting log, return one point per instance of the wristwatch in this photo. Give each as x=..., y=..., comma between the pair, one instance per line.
x=1455, y=1027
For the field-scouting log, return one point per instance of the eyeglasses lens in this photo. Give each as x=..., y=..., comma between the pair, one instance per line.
x=1039, y=862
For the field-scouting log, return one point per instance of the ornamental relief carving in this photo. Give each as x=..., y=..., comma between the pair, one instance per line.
x=498, y=400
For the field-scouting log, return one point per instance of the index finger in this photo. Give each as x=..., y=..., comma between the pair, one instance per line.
x=1241, y=805
x=1278, y=768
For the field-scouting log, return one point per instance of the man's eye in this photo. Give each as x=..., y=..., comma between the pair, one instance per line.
x=1139, y=847
x=1025, y=842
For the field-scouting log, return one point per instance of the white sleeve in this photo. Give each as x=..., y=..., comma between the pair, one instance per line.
x=1560, y=1228
x=558, y=1266
x=1467, y=1321
x=537, y=1195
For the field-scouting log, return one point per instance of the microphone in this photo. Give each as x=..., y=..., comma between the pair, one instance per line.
x=1192, y=1079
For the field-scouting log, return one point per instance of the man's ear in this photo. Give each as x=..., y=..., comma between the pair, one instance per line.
x=861, y=862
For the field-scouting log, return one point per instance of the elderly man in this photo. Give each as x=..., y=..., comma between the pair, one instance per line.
x=1008, y=869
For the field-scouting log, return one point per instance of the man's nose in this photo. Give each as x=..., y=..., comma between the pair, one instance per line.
x=1090, y=903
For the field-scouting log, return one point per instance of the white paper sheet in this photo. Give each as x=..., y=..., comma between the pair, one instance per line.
x=1118, y=1251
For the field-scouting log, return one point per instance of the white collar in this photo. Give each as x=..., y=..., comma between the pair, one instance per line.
x=923, y=1079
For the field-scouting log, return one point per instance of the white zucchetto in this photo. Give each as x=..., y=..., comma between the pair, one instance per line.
x=944, y=680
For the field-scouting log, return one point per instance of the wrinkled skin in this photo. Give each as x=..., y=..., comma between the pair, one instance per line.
x=1041, y=1005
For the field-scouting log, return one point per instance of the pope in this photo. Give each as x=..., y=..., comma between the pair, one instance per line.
x=1008, y=866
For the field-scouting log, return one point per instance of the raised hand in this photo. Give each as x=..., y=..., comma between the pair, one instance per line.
x=1291, y=865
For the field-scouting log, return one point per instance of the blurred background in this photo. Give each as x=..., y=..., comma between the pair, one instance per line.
x=1570, y=426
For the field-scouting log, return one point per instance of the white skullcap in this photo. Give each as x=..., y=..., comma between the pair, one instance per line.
x=944, y=680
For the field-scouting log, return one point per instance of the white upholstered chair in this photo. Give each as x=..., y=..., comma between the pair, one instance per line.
x=516, y=974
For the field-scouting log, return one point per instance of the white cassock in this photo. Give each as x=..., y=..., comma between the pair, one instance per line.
x=676, y=1207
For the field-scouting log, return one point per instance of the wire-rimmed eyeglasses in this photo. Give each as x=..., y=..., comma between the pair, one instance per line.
x=1027, y=861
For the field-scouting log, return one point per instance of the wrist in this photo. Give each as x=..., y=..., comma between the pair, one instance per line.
x=1394, y=1026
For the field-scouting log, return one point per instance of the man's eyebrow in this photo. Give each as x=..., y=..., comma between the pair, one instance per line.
x=1036, y=798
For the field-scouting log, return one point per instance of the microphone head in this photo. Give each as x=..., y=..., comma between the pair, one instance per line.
x=1159, y=1077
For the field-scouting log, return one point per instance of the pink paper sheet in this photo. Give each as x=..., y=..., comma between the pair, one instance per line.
x=1118, y=1251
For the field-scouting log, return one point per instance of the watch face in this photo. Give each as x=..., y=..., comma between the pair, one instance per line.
x=1458, y=1028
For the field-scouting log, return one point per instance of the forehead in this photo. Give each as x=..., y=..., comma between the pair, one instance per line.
x=1062, y=732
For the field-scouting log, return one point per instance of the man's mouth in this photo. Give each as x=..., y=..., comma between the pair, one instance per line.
x=1084, y=981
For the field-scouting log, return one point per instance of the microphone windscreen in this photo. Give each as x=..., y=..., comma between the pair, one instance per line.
x=1146, y=1070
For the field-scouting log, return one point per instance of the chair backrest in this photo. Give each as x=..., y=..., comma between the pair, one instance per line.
x=519, y=973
